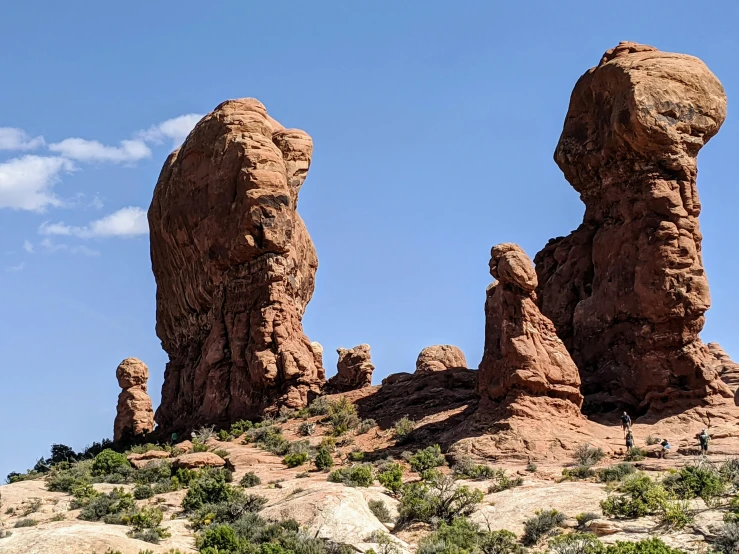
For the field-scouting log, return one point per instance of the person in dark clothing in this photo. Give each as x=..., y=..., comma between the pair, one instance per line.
x=629, y=441
x=625, y=422
x=704, y=438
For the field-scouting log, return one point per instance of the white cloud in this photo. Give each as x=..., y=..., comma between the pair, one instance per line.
x=175, y=129
x=16, y=268
x=17, y=139
x=94, y=151
x=28, y=246
x=53, y=247
x=126, y=222
x=26, y=183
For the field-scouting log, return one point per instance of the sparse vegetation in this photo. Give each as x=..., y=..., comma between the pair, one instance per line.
x=584, y=517
x=726, y=540
x=586, y=455
x=402, y=430
x=306, y=429
x=466, y=468
x=323, y=460
x=640, y=496
x=540, y=525
x=145, y=525
x=531, y=467
x=342, y=415
x=359, y=475
x=692, y=481
x=652, y=440
x=502, y=482
x=250, y=479
x=320, y=406
x=440, y=498
x=635, y=454
x=578, y=472
x=575, y=543
x=615, y=473
x=295, y=459
x=114, y=507
x=356, y=455
x=28, y=522
x=365, y=426
x=142, y=492
x=268, y=437
x=390, y=476
x=463, y=536
x=380, y=510
x=428, y=458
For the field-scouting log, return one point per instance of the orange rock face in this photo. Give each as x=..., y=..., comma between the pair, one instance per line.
x=523, y=356
x=235, y=269
x=440, y=357
x=627, y=290
x=134, y=414
x=354, y=369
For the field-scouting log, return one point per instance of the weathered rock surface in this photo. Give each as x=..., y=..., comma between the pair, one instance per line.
x=235, y=268
x=142, y=460
x=134, y=414
x=627, y=291
x=523, y=355
x=196, y=460
x=354, y=369
x=728, y=369
x=440, y=357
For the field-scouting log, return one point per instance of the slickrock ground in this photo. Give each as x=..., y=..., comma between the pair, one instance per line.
x=627, y=290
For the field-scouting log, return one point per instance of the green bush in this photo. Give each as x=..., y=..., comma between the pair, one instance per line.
x=82, y=495
x=142, y=492
x=428, y=458
x=306, y=429
x=320, y=406
x=676, y=514
x=359, y=475
x=640, y=497
x=403, y=429
x=250, y=479
x=269, y=438
x=501, y=481
x=239, y=505
x=147, y=517
x=540, y=525
x=463, y=536
x=635, y=454
x=652, y=440
x=586, y=455
x=644, y=546
x=584, y=517
x=109, y=461
x=465, y=468
x=208, y=488
x=531, y=467
x=692, y=481
x=224, y=435
x=296, y=459
x=220, y=538
x=437, y=499
x=615, y=472
x=324, y=461
x=198, y=446
x=342, y=415
x=64, y=480
x=577, y=472
x=154, y=472
x=380, y=510
x=25, y=523
x=726, y=540
x=390, y=476
x=240, y=427
x=356, y=455
x=102, y=506
x=575, y=543
x=365, y=426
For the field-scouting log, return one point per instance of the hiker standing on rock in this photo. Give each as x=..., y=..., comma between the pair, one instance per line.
x=625, y=422
x=629, y=441
x=704, y=438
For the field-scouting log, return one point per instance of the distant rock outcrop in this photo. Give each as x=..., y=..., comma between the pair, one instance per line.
x=235, y=268
x=134, y=415
x=440, y=357
x=627, y=290
x=354, y=369
x=728, y=369
x=523, y=356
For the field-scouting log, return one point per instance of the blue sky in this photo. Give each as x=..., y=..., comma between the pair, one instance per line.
x=434, y=125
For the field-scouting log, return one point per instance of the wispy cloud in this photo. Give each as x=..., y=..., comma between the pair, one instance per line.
x=93, y=151
x=28, y=246
x=16, y=268
x=126, y=222
x=49, y=246
x=17, y=139
x=26, y=183
x=175, y=130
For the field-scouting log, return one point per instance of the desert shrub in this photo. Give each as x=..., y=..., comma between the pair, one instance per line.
x=584, y=517
x=82, y=495
x=540, y=525
x=109, y=462
x=224, y=435
x=142, y=492
x=615, y=472
x=531, y=467
x=323, y=459
x=652, y=440
x=269, y=438
x=635, y=454
x=5, y=534
x=575, y=543
x=222, y=452
x=296, y=459
x=306, y=429
x=30, y=506
x=240, y=427
x=501, y=481
x=250, y=479
x=586, y=455
x=726, y=539
x=198, y=446
x=729, y=471
x=466, y=468
x=390, y=476
x=228, y=511
x=463, y=536
x=578, y=472
x=640, y=496
x=28, y=522
x=204, y=433
x=356, y=455
x=145, y=525
x=15, y=477
x=696, y=481
x=676, y=514
x=342, y=415
x=380, y=510
x=403, y=429
x=102, y=506
x=428, y=458
x=365, y=426
x=359, y=475
x=437, y=499
x=320, y=406
x=208, y=488
x=218, y=538
x=644, y=546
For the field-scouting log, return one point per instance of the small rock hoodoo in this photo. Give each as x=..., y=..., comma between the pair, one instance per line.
x=235, y=269
x=354, y=369
x=440, y=357
x=134, y=415
x=524, y=359
x=627, y=290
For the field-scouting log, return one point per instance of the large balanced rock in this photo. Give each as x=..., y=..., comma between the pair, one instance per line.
x=627, y=290
x=354, y=369
x=134, y=415
x=523, y=356
x=235, y=268
x=439, y=358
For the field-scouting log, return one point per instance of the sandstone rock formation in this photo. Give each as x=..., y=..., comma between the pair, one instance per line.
x=627, y=290
x=235, y=268
x=197, y=460
x=135, y=415
x=354, y=369
x=728, y=370
x=523, y=356
x=440, y=357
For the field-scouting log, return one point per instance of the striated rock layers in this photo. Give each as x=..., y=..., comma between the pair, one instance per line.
x=235, y=268
x=354, y=369
x=440, y=357
x=523, y=359
x=627, y=290
x=134, y=415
